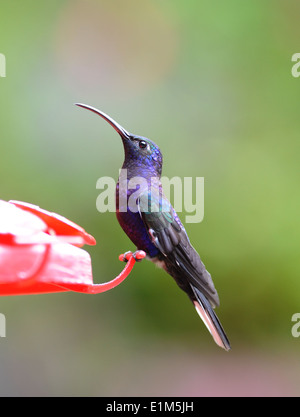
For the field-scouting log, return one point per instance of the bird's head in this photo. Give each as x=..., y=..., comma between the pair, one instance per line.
x=140, y=153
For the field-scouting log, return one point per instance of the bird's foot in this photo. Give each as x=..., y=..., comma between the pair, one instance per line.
x=138, y=256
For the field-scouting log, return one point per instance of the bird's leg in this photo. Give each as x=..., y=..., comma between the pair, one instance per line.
x=138, y=255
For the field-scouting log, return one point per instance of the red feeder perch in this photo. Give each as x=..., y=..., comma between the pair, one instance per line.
x=40, y=252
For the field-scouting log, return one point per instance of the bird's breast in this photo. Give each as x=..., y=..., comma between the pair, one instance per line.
x=130, y=220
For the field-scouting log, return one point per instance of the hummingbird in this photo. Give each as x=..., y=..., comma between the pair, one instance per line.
x=155, y=228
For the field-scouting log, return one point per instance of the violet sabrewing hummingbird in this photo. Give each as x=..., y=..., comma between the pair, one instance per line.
x=153, y=226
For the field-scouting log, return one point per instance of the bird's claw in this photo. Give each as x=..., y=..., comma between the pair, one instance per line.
x=138, y=256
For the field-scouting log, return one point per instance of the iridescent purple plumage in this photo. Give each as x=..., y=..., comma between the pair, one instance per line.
x=151, y=223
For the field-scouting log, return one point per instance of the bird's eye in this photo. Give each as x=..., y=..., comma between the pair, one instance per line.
x=142, y=144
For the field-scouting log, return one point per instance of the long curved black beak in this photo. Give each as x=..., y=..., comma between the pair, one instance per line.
x=118, y=128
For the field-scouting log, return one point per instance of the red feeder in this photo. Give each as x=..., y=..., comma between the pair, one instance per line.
x=40, y=253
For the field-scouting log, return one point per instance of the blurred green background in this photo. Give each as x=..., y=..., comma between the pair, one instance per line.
x=211, y=83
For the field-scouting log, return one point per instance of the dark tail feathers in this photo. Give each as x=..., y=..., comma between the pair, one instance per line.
x=210, y=319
